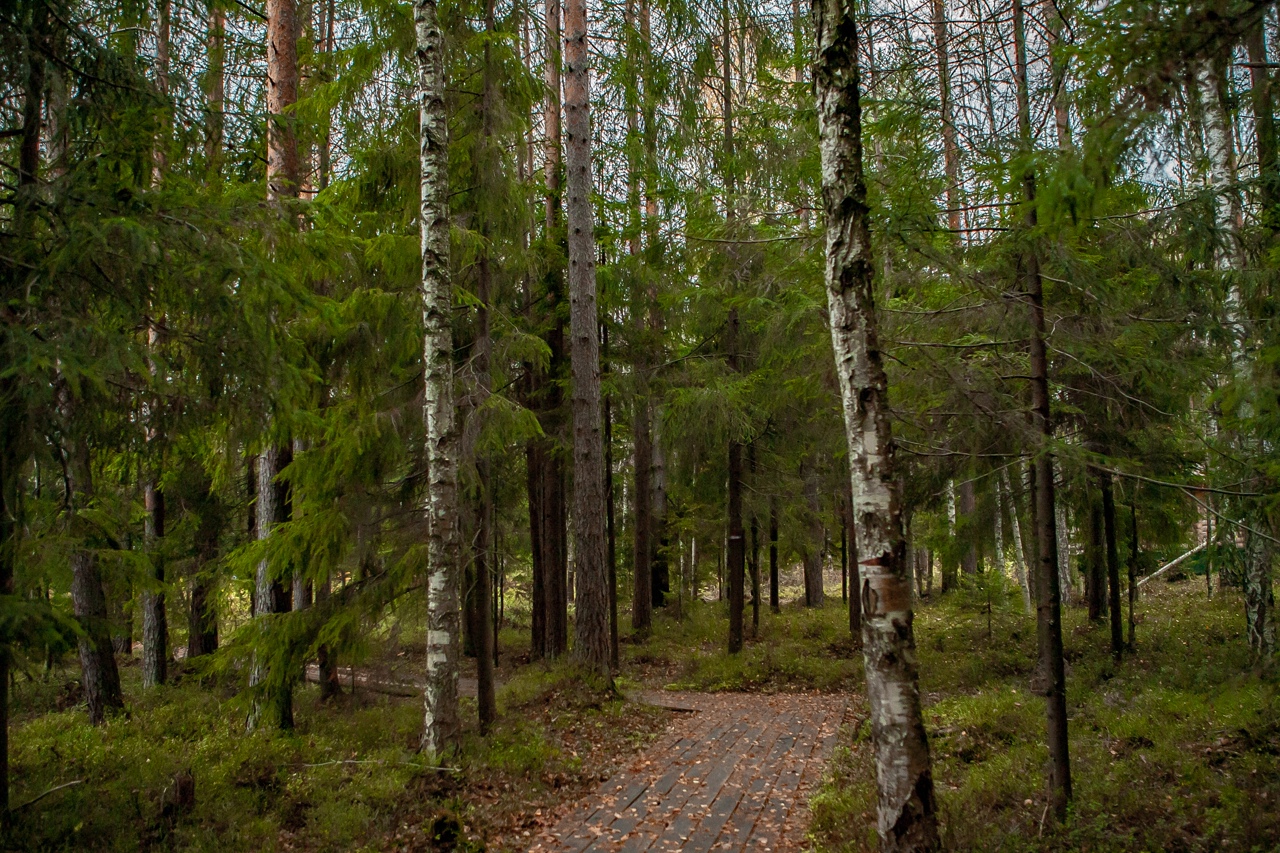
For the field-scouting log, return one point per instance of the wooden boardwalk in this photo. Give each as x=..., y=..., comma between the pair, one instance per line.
x=732, y=774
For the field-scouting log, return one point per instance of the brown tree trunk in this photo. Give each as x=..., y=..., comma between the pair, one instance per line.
x=1113, y=564
x=907, y=814
x=1263, y=124
x=774, y=604
x=642, y=562
x=814, y=595
x=155, y=623
x=202, y=616
x=1096, y=579
x=101, y=679
x=591, y=625
x=950, y=151
x=1051, y=672
x=1133, y=565
x=968, y=509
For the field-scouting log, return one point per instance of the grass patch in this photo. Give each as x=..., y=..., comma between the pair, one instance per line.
x=347, y=778
x=1174, y=749
x=798, y=649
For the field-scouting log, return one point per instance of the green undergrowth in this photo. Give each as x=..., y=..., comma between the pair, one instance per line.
x=1175, y=749
x=797, y=649
x=348, y=777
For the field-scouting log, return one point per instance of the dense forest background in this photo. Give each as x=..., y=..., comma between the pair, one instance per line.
x=227, y=230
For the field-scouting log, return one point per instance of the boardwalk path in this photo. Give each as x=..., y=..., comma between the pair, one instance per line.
x=734, y=774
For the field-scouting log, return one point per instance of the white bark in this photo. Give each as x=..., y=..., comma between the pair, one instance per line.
x=907, y=811
x=440, y=698
x=1019, y=557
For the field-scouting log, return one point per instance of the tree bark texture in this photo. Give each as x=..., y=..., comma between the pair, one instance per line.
x=907, y=813
x=774, y=604
x=1051, y=668
x=966, y=527
x=440, y=698
x=814, y=595
x=591, y=625
x=642, y=531
x=283, y=168
x=950, y=150
x=155, y=623
x=1096, y=579
x=101, y=679
x=1263, y=124
x=1113, y=564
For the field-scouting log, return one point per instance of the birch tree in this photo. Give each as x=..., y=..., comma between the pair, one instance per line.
x=440, y=698
x=907, y=814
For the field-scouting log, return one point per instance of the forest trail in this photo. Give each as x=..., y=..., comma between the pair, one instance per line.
x=734, y=774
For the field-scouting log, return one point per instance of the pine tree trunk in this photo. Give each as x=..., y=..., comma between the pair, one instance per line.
x=1113, y=564
x=101, y=679
x=1096, y=579
x=642, y=531
x=215, y=90
x=774, y=604
x=950, y=150
x=1051, y=668
x=907, y=814
x=814, y=595
x=968, y=511
x=202, y=617
x=155, y=626
x=440, y=698
x=1264, y=128
x=591, y=625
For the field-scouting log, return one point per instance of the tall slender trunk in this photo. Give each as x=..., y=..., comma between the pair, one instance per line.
x=611, y=532
x=735, y=552
x=1052, y=670
x=968, y=511
x=12, y=409
x=774, y=604
x=1133, y=565
x=202, y=617
x=814, y=594
x=440, y=698
x=215, y=89
x=642, y=531
x=755, y=552
x=1057, y=73
x=907, y=814
x=1113, y=564
x=155, y=625
x=950, y=150
x=485, y=163
x=1264, y=127
x=101, y=679
x=1019, y=555
x=1096, y=579
x=591, y=625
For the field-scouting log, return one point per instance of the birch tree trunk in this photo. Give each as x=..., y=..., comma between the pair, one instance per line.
x=1015, y=528
x=907, y=812
x=1051, y=679
x=950, y=151
x=440, y=698
x=591, y=627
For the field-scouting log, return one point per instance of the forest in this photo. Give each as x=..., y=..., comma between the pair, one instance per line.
x=461, y=425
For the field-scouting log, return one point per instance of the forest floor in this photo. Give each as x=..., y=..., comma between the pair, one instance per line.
x=1174, y=749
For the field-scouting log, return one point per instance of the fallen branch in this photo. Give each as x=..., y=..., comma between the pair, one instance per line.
x=70, y=784
x=1167, y=566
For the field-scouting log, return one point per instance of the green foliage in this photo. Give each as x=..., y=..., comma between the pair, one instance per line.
x=1172, y=749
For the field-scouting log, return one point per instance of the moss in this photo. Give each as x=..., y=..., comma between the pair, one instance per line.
x=1174, y=749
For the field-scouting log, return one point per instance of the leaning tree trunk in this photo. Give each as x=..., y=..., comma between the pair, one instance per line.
x=1051, y=671
x=591, y=626
x=440, y=727
x=907, y=815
